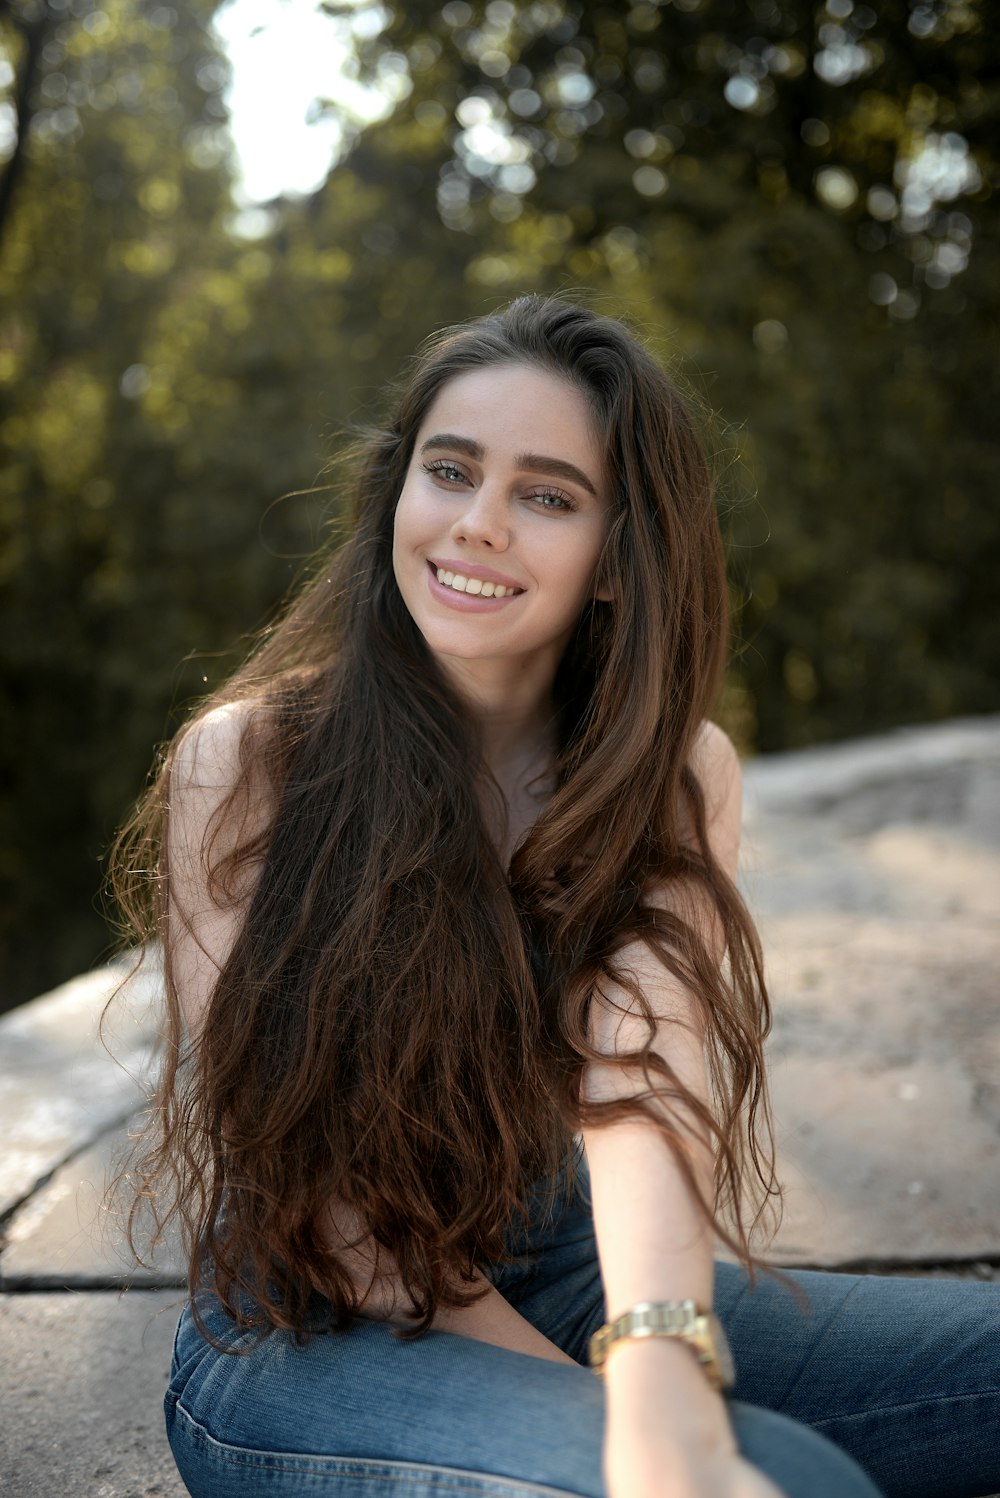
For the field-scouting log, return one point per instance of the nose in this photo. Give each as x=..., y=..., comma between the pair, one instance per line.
x=484, y=520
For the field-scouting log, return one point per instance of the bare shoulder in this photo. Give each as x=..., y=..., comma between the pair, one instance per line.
x=716, y=766
x=715, y=762
x=219, y=794
x=207, y=756
x=218, y=811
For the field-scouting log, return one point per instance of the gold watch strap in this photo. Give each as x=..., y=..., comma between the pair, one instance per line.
x=682, y=1319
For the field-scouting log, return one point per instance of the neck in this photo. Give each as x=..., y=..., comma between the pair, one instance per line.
x=511, y=703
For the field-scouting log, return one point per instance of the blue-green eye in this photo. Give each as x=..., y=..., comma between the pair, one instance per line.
x=450, y=472
x=553, y=499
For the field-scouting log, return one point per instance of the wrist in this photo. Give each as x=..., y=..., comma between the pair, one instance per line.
x=644, y=1382
x=648, y=1367
x=673, y=1321
x=659, y=1352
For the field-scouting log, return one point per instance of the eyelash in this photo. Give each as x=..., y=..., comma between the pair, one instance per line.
x=442, y=467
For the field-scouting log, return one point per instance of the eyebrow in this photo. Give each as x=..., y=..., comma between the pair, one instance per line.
x=535, y=462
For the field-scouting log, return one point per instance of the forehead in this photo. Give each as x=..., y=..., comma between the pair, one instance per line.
x=515, y=408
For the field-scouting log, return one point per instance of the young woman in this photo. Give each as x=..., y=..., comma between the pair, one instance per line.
x=464, y=1067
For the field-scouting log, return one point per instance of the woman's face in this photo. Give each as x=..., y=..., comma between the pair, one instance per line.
x=502, y=516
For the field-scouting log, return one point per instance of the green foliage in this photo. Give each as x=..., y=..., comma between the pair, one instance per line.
x=798, y=202
x=129, y=499
x=795, y=203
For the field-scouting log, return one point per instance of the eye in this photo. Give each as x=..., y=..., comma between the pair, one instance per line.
x=552, y=499
x=446, y=470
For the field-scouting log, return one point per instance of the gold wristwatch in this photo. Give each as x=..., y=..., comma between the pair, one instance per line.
x=671, y=1318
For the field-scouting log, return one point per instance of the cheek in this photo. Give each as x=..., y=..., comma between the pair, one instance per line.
x=413, y=532
x=405, y=522
x=400, y=539
x=413, y=518
x=579, y=569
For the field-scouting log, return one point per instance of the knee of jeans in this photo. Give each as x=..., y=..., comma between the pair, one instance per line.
x=803, y=1463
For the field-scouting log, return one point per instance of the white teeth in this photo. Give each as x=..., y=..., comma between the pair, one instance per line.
x=473, y=585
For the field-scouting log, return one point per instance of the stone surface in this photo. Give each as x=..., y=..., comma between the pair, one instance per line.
x=69, y=1235
x=874, y=871
x=61, y=1086
x=947, y=759
x=81, y=1394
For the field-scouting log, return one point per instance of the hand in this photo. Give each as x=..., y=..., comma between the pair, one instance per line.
x=666, y=1467
x=668, y=1433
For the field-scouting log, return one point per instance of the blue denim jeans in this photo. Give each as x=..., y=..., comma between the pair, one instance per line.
x=878, y=1384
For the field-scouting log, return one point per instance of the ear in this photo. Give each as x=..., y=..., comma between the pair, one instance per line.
x=602, y=590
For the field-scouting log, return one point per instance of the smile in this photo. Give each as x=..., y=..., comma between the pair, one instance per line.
x=459, y=583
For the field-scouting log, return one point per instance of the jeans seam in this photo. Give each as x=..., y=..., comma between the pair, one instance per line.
x=813, y=1352
x=938, y=1401
x=393, y=1469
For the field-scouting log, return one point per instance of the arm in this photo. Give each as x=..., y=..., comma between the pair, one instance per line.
x=201, y=932
x=668, y=1432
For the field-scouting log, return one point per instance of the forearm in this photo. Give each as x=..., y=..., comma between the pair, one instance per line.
x=655, y=1242
x=667, y=1427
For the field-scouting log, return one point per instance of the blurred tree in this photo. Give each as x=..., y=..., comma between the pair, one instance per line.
x=796, y=204
x=128, y=507
x=29, y=24
x=798, y=200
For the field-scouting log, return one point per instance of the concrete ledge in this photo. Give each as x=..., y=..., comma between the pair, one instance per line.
x=61, y=1086
x=874, y=871
x=69, y=1236
x=818, y=779
x=82, y=1383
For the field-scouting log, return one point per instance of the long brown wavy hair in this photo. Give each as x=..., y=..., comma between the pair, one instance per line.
x=402, y=1022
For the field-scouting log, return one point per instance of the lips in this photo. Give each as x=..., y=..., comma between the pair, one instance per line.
x=485, y=597
x=473, y=587
x=473, y=569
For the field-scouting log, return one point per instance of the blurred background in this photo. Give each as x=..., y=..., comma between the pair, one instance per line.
x=224, y=226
